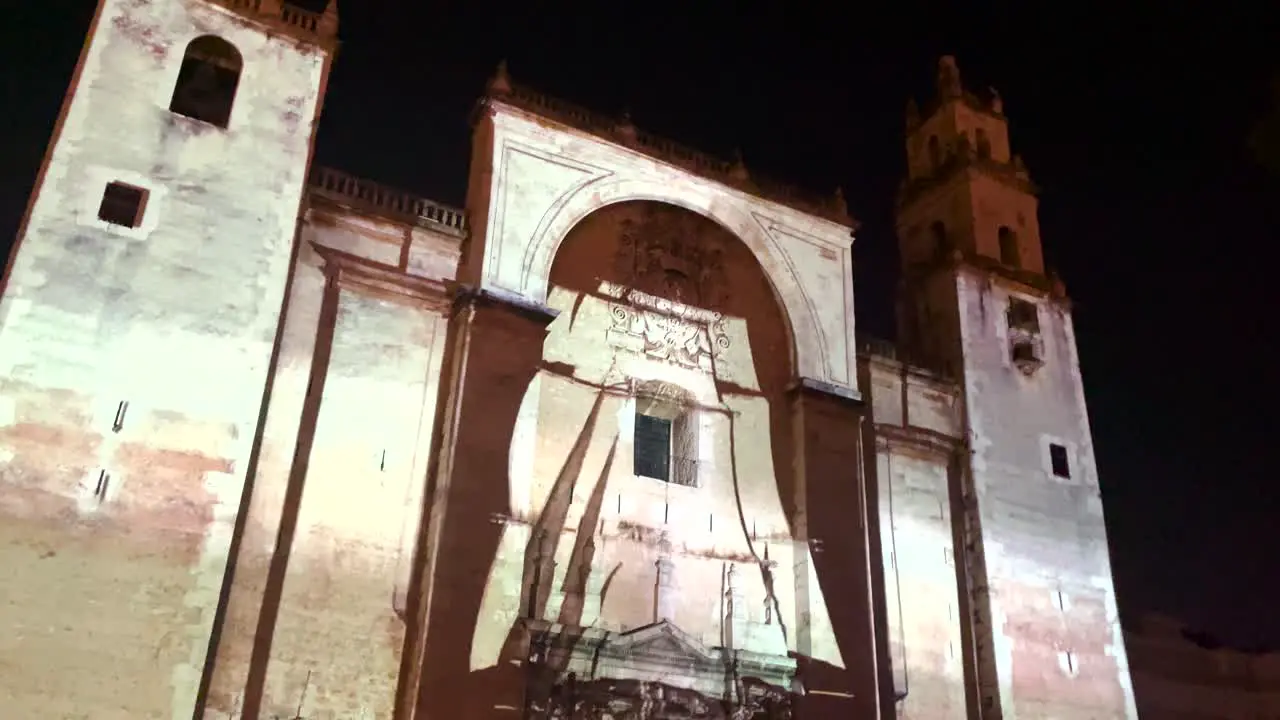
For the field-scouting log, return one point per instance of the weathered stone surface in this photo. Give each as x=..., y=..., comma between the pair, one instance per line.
x=133, y=361
x=1043, y=536
x=540, y=181
x=1027, y=517
x=406, y=496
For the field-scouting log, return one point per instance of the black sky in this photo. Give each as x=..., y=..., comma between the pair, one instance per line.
x=1133, y=124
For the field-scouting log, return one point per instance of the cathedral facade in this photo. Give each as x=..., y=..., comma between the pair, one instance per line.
x=278, y=442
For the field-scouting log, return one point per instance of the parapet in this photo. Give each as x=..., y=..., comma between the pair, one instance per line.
x=319, y=27
x=621, y=131
x=368, y=196
x=887, y=352
x=912, y=402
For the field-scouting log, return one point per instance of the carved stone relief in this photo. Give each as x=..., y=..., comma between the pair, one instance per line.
x=668, y=252
x=668, y=331
x=653, y=673
x=614, y=699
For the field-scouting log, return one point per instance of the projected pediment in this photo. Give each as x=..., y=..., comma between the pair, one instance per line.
x=662, y=639
x=656, y=671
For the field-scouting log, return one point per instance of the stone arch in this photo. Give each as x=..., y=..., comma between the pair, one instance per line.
x=208, y=81
x=808, y=350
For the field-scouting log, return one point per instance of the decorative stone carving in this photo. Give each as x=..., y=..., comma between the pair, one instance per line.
x=759, y=699
x=546, y=180
x=770, y=597
x=667, y=331
x=662, y=392
x=619, y=699
x=657, y=672
x=735, y=616
x=668, y=253
x=665, y=594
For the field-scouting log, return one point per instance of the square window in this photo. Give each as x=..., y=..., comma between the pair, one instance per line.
x=123, y=205
x=1058, y=461
x=652, y=447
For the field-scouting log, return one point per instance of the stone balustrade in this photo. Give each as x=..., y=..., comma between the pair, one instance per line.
x=310, y=23
x=370, y=195
x=887, y=350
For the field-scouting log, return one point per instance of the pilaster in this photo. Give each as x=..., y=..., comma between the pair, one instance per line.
x=666, y=594
x=735, y=622
x=493, y=351
x=304, y=325
x=832, y=518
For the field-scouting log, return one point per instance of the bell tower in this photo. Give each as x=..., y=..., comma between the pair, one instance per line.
x=139, y=312
x=966, y=195
x=1043, y=635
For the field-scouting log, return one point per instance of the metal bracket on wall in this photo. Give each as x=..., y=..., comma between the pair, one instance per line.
x=102, y=486
x=122, y=409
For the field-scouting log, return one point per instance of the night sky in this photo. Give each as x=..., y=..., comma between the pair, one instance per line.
x=1134, y=126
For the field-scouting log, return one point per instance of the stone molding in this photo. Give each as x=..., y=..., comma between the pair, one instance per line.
x=659, y=652
x=545, y=179
x=808, y=386
x=621, y=131
x=317, y=27
x=471, y=296
x=387, y=283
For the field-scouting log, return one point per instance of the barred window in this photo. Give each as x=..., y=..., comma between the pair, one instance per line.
x=665, y=440
x=653, y=447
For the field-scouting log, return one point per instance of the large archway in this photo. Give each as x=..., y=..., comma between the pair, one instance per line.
x=651, y=468
x=809, y=349
x=534, y=181
x=559, y=537
x=650, y=292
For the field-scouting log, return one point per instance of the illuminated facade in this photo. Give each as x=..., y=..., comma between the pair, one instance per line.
x=601, y=445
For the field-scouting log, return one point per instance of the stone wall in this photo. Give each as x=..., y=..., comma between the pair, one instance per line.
x=562, y=527
x=366, y=489
x=660, y=550
x=343, y=474
x=133, y=361
x=1048, y=604
x=918, y=429
x=533, y=179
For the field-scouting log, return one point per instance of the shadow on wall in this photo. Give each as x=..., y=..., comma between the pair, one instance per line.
x=493, y=546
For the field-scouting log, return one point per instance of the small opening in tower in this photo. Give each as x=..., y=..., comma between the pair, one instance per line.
x=207, y=81
x=935, y=153
x=123, y=205
x=1023, y=315
x=1009, y=254
x=984, y=144
x=1058, y=461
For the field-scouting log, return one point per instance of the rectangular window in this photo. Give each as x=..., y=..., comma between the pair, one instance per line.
x=122, y=205
x=653, y=447
x=1058, y=461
